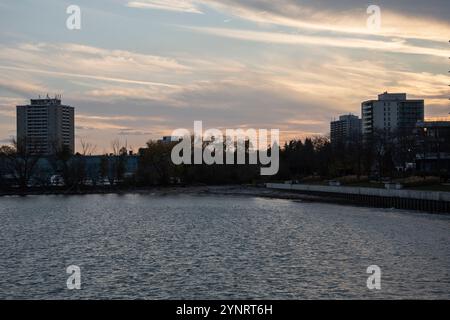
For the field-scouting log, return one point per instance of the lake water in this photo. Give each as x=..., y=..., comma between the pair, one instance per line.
x=217, y=247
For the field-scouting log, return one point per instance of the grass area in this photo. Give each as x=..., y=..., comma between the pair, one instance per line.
x=428, y=183
x=379, y=185
x=434, y=187
x=366, y=184
x=438, y=187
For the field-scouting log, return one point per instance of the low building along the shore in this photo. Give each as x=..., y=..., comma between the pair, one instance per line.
x=433, y=146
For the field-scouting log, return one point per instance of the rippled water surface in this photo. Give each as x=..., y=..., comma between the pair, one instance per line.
x=217, y=247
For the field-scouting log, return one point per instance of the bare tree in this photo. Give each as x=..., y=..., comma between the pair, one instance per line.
x=23, y=157
x=114, y=165
x=155, y=163
x=7, y=156
x=87, y=148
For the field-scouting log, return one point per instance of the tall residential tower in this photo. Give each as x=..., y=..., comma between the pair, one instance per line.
x=345, y=130
x=45, y=126
x=392, y=113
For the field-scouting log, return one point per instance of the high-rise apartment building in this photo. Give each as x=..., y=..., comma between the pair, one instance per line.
x=392, y=113
x=345, y=130
x=45, y=126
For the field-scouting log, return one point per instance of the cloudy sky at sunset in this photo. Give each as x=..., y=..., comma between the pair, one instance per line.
x=139, y=69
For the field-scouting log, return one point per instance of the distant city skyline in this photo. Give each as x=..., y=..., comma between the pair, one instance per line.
x=139, y=69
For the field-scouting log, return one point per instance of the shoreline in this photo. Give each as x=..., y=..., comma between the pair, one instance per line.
x=222, y=190
x=232, y=190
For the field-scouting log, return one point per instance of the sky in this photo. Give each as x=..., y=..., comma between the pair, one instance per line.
x=136, y=70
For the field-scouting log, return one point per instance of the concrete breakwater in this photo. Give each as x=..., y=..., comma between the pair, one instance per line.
x=430, y=201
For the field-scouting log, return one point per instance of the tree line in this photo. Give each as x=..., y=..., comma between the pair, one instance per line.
x=314, y=157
